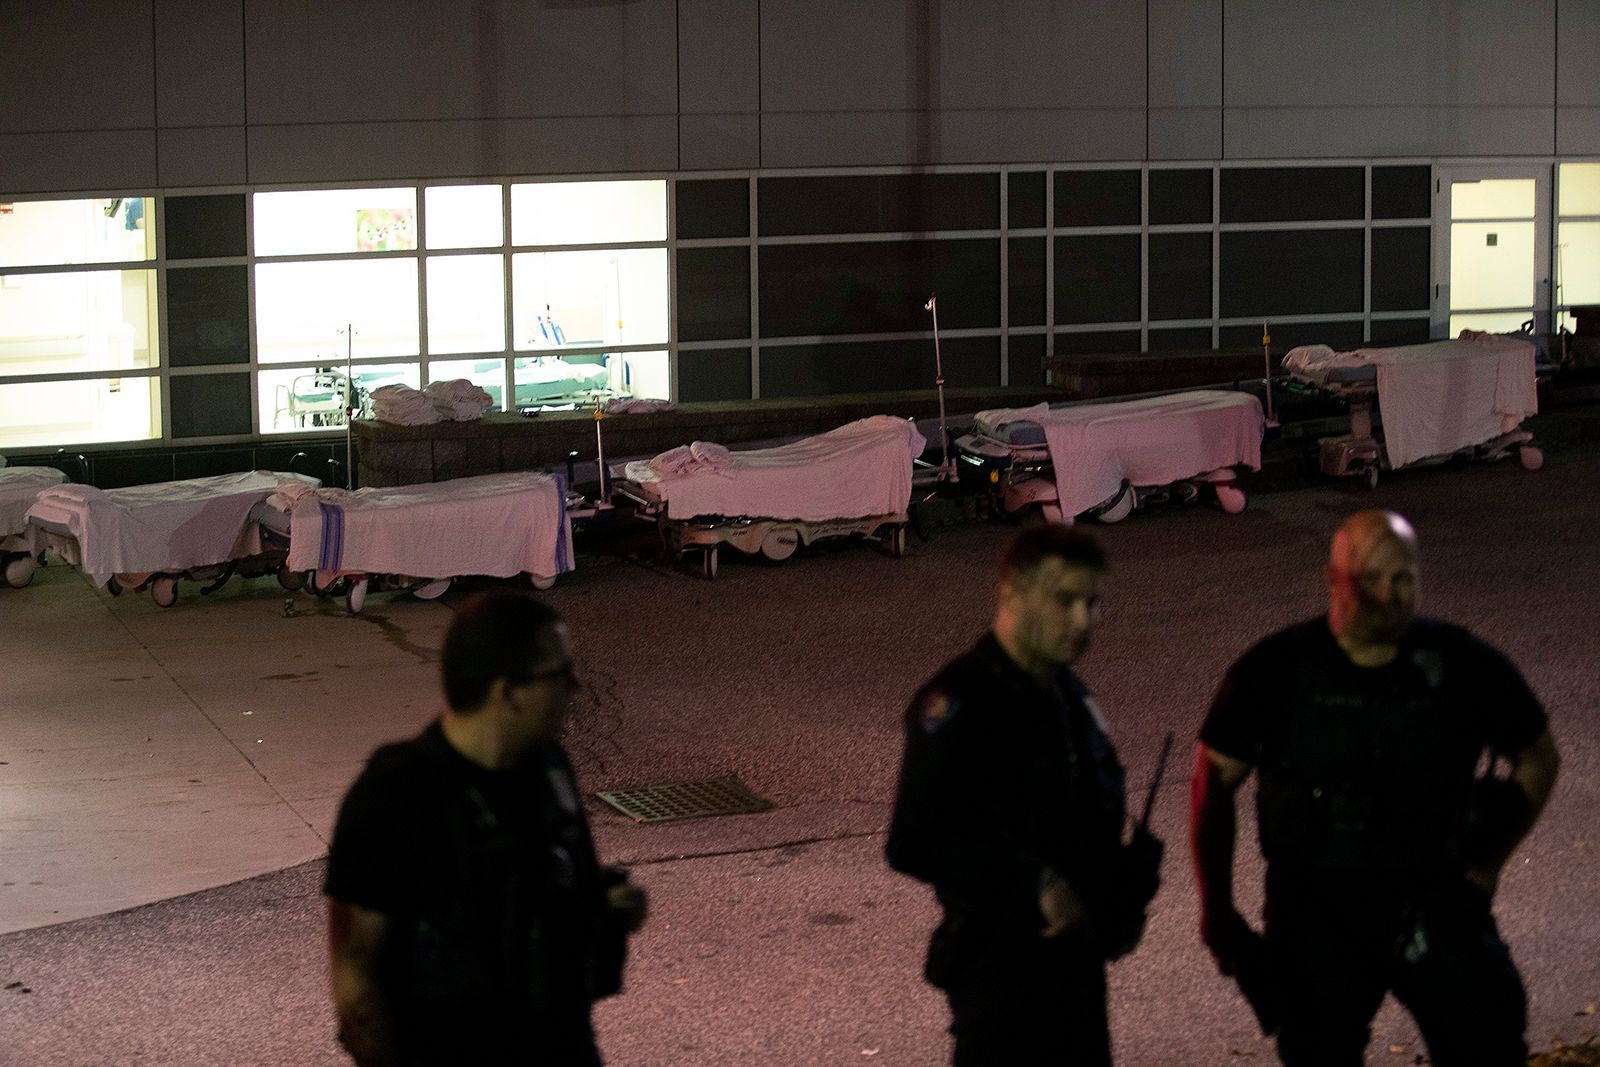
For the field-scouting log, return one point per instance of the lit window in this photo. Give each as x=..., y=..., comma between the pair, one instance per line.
x=1580, y=189
x=44, y=233
x=54, y=414
x=297, y=399
x=579, y=380
x=1578, y=263
x=335, y=220
x=589, y=299
x=464, y=216
x=571, y=213
x=302, y=309
x=76, y=323
x=486, y=373
x=466, y=304
x=1508, y=198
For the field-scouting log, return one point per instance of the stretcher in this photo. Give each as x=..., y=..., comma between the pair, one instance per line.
x=419, y=538
x=20, y=543
x=152, y=536
x=1104, y=460
x=851, y=481
x=1465, y=397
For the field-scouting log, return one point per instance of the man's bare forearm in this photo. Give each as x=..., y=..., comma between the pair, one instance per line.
x=365, y=1028
x=1213, y=827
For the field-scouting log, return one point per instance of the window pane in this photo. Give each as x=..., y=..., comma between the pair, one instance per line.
x=1097, y=278
x=714, y=293
x=466, y=304
x=1287, y=272
x=1289, y=194
x=44, y=233
x=574, y=213
x=1025, y=279
x=335, y=220
x=101, y=320
x=878, y=287
x=1499, y=199
x=205, y=227
x=296, y=399
x=488, y=373
x=1402, y=192
x=1097, y=198
x=878, y=203
x=301, y=309
x=578, y=380
x=714, y=374
x=1489, y=322
x=54, y=414
x=718, y=208
x=1400, y=261
x=1491, y=265
x=1180, y=276
x=1026, y=359
x=1580, y=189
x=876, y=366
x=464, y=216
x=589, y=298
x=210, y=405
x=1025, y=200
x=208, y=316
x=1178, y=196
x=1578, y=263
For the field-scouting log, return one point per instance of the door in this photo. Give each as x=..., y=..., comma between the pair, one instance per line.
x=1492, y=248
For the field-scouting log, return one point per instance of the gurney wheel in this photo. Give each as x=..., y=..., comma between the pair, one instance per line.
x=355, y=597
x=1530, y=457
x=1372, y=477
x=113, y=587
x=897, y=540
x=542, y=582
x=1120, y=508
x=708, y=562
x=432, y=590
x=1231, y=497
x=19, y=571
x=779, y=544
x=164, y=590
x=293, y=581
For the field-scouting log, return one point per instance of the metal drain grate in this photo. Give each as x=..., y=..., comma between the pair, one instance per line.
x=686, y=800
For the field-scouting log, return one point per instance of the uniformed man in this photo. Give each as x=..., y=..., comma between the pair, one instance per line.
x=1011, y=806
x=1383, y=843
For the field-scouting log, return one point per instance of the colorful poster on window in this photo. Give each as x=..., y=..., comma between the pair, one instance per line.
x=384, y=229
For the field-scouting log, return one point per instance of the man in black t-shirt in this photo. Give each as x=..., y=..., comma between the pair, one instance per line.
x=1383, y=842
x=1010, y=804
x=468, y=919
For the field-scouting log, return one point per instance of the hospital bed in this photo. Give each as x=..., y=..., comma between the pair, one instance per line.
x=1105, y=459
x=851, y=481
x=21, y=545
x=153, y=536
x=1463, y=397
x=418, y=538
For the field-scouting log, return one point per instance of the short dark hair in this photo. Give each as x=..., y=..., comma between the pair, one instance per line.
x=501, y=633
x=1052, y=541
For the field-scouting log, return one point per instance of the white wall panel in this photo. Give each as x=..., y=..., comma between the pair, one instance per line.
x=76, y=66
x=1323, y=132
x=401, y=60
x=199, y=63
x=202, y=156
x=1185, y=54
x=885, y=138
x=1038, y=54
x=719, y=142
x=1185, y=133
x=64, y=162
x=1578, y=53
x=718, y=56
x=1578, y=131
x=837, y=55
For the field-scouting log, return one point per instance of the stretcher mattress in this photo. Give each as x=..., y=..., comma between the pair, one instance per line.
x=1157, y=440
x=1439, y=397
x=19, y=487
x=165, y=527
x=497, y=524
x=1017, y=427
x=856, y=471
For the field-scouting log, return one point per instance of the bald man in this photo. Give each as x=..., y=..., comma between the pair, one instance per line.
x=1383, y=840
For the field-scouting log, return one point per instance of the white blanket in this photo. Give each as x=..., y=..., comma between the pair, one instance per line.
x=1094, y=448
x=168, y=526
x=995, y=418
x=860, y=469
x=19, y=486
x=1442, y=396
x=496, y=524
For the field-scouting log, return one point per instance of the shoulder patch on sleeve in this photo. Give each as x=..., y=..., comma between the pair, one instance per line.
x=934, y=709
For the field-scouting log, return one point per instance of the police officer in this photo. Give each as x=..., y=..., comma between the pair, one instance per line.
x=1010, y=805
x=1383, y=847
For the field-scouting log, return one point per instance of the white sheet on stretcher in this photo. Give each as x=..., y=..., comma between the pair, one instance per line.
x=1158, y=440
x=168, y=526
x=1443, y=396
x=860, y=469
x=19, y=486
x=495, y=524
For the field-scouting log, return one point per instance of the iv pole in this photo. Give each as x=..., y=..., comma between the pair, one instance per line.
x=946, y=467
x=350, y=404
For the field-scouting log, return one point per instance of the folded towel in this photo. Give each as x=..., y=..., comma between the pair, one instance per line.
x=711, y=455
x=626, y=405
x=403, y=406
x=72, y=492
x=458, y=399
x=673, y=461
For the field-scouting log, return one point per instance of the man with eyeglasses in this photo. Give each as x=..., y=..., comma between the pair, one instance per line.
x=468, y=918
x=1384, y=838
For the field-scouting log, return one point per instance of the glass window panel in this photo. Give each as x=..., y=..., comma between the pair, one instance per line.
x=335, y=220
x=301, y=309
x=1400, y=259
x=576, y=213
x=205, y=227
x=876, y=366
x=1402, y=192
x=714, y=374
x=54, y=414
x=1290, y=194
x=1097, y=198
x=1097, y=341
x=1180, y=276
x=1178, y=196
x=1097, y=278
x=1288, y=272
x=297, y=399
x=486, y=372
x=566, y=299
x=718, y=208
x=1025, y=356
x=877, y=203
x=1025, y=200
x=1510, y=198
x=464, y=216
x=1580, y=189
x=1578, y=263
x=208, y=316
x=45, y=233
x=210, y=405
x=1180, y=339
x=1399, y=331
x=1491, y=265
x=576, y=380
x=1025, y=279
x=102, y=320
x=714, y=293
x=878, y=287
x=466, y=304
x=1489, y=322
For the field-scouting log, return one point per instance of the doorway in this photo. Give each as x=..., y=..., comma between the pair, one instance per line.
x=1492, y=248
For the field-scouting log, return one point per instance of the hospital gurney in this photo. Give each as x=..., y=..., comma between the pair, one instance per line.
x=151, y=536
x=853, y=480
x=1438, y=400
x=418, y=538
x=1106, y=459
x=21, y=544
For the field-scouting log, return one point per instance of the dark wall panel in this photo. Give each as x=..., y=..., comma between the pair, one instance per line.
x=1179, y=196
x=713, y=293
x=1402, y=192
x=1025, y=201
x=210, y=405
x=1293, y=194
x=1399, y=331
x=1400, y=260
x=1097, y=341
x=1180, y=339
x=1026, y=281
x=717, y=208
x=856, y=367
x=1292, y=272
x=1180, y=276
x=717, y=374
x=878, y=203
x=208, y=316
x=1097, y=198
x=1097, y=278
x=880, y=287
x=1025, y=359
x=205, y=227
x=1339, y=335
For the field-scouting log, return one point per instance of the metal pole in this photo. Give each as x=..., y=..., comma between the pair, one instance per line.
x=946, y=468
x=600, y=451
x=1266, y=362
x=349, y=401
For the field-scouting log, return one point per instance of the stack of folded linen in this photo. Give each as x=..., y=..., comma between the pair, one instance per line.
x=458, y=400
x=403, y=406
x=688, y=459
x=628, y=405
x=289, y=492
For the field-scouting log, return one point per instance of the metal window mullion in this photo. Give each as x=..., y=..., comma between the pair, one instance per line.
x=422, y=288
x=1049, y=263
x=887, y=237
x=1144, y=258
x=672, y=292
x=872, y=338
x=256, y=431
x=1216, y=257
x=1366, y=257
x=508, y=363
x=80, y=376
x=1005, y=277
x=755, y=289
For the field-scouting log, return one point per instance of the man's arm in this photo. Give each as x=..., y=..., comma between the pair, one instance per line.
x=1534, y=772
x=1213, y=825
x=355, y=936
